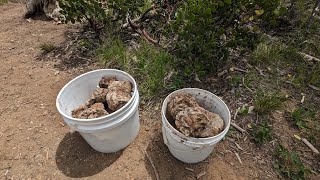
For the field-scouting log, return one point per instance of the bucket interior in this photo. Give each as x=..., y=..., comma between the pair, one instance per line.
x=78, y=91
x=206, y=100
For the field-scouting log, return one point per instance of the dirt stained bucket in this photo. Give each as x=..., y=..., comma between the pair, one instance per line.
x=105, y=134
x=190, y=149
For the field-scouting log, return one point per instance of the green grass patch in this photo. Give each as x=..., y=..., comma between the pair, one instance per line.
x=244, y=110
x=274, y=52
x=235, y=80
x=149, y=64
x=267, y=52
x=288, y=164
x=266, y=102
x=301, y=116
x=2, y=2
x=153, y=65
x=47, y=47
x=261, y=133
x=113, y=53
x=285, y=54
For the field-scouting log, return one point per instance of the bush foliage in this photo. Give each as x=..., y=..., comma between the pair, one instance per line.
x=200, y=33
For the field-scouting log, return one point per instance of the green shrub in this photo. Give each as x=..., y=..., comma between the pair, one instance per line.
x=99, y=13
x=207, y=30
x=131, y=8
x=93, y=11
x=200, y=33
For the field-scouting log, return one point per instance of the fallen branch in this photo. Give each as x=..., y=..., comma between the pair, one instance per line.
x=146, y=35
x=309, y=57
x=151, y=162
x=140, y=30
x=237, y=127
x=307, y=143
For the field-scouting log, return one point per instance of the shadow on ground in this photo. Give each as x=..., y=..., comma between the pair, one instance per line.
x=167, y=166
x=76, y=159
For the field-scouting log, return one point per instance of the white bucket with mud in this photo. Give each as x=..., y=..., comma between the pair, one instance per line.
x=190, y=149
x=105, y=134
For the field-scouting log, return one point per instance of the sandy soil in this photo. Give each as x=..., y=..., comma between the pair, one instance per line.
x=36, y=144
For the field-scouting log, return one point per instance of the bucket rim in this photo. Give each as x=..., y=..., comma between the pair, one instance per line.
x=135, y=89
x=182, y=136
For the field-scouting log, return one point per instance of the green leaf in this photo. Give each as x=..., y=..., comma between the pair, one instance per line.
x=259, y=12
x=208, y=11
x=227, y=2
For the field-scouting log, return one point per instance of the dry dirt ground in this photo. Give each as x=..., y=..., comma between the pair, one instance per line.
x=36, y=144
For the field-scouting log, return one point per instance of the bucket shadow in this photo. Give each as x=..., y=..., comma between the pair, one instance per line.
x=166, y=165
x=75, y=158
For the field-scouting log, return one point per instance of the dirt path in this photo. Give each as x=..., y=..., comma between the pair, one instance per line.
x=36, y=144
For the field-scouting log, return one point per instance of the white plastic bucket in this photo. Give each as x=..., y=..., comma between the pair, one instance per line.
x=105, y=134
x=189, y=149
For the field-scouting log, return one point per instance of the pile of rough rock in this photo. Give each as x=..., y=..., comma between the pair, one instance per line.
x=193, y=120
x=111, y=95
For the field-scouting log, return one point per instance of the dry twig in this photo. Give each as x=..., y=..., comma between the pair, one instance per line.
x=61, y=124
x=238, y=157
x=151, y=162
x=303, y=98
x=240, y=70
x=238, y=146
x=309, y=57
x=47, y=154
x=246, y=85
x=201, y=174
x=189, y=169
x=140, y=30
x=222, y=73
x=237, y=127
x=236, y=113
x=260, y=71
x=314, y=88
